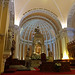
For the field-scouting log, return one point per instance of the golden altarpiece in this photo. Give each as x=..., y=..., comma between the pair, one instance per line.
x=38, y=44
x=37, y=47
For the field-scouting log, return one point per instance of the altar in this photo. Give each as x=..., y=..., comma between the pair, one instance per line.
x=37, y=48
x=38, y=44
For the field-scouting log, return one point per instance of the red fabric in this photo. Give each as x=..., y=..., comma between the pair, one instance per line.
x=36, y=69
x=37, y=72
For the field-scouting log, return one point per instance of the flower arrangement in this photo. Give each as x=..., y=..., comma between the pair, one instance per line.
x=58, y=64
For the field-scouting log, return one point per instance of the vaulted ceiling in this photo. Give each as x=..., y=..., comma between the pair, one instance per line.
x=60, y=8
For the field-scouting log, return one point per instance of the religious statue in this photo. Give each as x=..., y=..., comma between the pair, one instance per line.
x=13, y=48
x=50, y=56
x=28, y=60
x=9, y=40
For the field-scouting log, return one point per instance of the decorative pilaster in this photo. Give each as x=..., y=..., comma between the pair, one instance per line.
x=4, y=23
x=51, y=46
x=66, y=34
x=58, y=49
x=20, y=50
x=17, y=46
x=56, y=44
x=54, y=51
x=46, y=49
x=24, y=51
x=15, y=36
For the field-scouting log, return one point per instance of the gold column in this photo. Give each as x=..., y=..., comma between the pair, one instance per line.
x=3, y=28
x=1, y=10
x=17, y=46
x=56, y=44
x=64, y=44
x=24, y=51
x=58, y=49
x=20, y=50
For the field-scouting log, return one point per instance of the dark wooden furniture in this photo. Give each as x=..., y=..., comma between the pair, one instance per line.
x=11, y=61
x=52, y=67
x=43, y=57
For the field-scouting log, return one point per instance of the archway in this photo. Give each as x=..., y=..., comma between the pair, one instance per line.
x=48, y=24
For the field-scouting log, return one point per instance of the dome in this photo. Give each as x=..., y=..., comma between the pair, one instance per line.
x=28, y=29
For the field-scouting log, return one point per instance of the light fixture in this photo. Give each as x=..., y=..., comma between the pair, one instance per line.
x=65, y=55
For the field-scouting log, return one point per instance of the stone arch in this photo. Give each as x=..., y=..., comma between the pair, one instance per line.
x=42, y=13
x=49, y=23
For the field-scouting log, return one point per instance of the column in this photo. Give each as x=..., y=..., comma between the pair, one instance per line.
x=64, y=44
x=60, y=43
x=54, y=50
x=1, y=10
x=24, y=51
x=20, y=50
x=4, y=23
x=43, y=50
x=46, y=49
x=51, y=46
x=58, y=49
x=17, y=46
x=64, y=49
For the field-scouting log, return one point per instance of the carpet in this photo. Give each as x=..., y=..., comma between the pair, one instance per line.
x=37, y=72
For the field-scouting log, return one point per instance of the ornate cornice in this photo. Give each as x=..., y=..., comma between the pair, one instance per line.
x=43, y=11
x=42, y=18
x=67, y=29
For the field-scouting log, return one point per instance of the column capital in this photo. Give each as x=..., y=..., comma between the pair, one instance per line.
x=1, y=2
x=4, y=2
x=67, y=29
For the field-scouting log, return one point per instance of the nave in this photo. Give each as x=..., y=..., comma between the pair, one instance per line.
x=31, y=28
